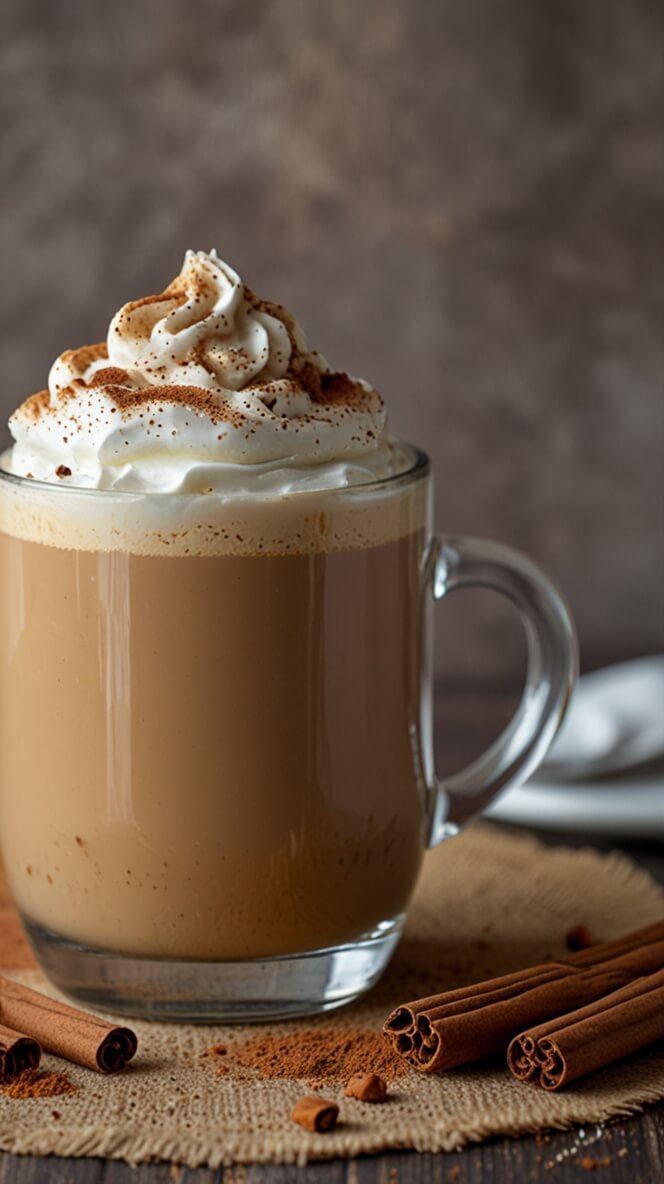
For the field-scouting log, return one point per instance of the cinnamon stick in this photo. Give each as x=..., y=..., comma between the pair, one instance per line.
x=454, y=1027
x=17, y=1052
x=570, y=1046
x=64, y=1030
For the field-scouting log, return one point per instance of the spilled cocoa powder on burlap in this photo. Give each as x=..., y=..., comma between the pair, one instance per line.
x=37, y=1083
x=317, y=1054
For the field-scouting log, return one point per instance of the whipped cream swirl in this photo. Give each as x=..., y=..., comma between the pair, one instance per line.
x=202, y=388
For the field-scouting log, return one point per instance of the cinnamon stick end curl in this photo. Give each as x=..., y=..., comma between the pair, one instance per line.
x=116, y=1049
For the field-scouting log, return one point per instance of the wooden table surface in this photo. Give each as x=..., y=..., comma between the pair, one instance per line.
x=629, y=1150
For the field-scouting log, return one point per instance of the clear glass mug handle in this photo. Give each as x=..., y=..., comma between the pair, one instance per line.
x=455, y=563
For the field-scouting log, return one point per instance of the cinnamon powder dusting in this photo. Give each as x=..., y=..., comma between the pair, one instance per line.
x=328, y=388
x=317, y=1054
x=37, y=1083
x=109, y=374
x=85, y=355
x=35, y=405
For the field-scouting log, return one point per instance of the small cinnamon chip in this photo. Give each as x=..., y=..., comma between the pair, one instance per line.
x=578, y=938
x=367, y=1088
x=63, y=471
x=315, y=1114
x=590, y=1164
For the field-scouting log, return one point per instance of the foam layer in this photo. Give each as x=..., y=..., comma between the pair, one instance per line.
x=299, y=522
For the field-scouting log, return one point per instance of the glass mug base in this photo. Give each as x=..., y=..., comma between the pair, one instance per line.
x=259, y=989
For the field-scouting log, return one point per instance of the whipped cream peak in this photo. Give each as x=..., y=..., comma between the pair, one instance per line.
x=203, y=374
x=206, y=329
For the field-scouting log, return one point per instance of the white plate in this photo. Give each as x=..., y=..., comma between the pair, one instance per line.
x=631, y=808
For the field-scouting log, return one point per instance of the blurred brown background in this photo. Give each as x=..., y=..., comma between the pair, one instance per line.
x=462, y=202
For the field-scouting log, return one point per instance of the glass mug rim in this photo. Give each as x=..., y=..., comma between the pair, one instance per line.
x=418, y=468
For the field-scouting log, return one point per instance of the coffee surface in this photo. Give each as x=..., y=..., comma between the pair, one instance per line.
x=211, y=757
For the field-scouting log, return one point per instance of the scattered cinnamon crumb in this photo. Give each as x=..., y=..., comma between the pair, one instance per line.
x=63, y=471
x=215, y=1050
x=56, y=1114
x=578, y=938
x=315, y=1114
x=222, y=1070
x=78, y=840
x=368, y=1087
x=590, y=1164
x=38, y=1083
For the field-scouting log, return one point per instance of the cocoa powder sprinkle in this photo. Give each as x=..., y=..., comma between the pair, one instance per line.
x=38, y=1083
x=319, y=1054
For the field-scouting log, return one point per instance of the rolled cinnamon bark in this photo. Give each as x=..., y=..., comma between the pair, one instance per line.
x=64, y=1030
x=450, y=1029
x=17, y=1052
x=558, y=1052
x=404, y=1019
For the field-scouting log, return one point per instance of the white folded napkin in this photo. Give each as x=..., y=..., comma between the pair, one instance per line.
x=604, y=774
x=615, y=723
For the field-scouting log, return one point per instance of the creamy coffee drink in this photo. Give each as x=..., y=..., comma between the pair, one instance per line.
x=210, y=641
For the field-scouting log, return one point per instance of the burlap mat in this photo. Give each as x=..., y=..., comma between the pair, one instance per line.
x=487, y=903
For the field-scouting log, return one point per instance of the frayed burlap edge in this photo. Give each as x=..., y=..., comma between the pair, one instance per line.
x=134, y=1147
x=248, y=1123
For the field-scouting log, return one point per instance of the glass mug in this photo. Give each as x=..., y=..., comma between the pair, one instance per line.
x=217, y=777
